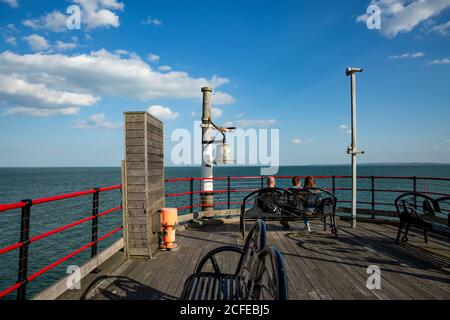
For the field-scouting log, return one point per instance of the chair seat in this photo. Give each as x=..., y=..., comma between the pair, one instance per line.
x=209, y=286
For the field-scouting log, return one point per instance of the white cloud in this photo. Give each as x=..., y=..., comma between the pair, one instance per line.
x=401, y=16
x=12, y=27
x=165, y=68
x=12, y=3
x=94, y=14
x=442, y=28
x=250, y=123
x=11, y=40
x=97, y=121
x=345, y=129
x=43, y=113
x=103, y=73
x=162, y=113
x=216, y=113
x=58, y=81
x=219, y=97
x=152, y=57
x=19, y=94
x=63, y=46
x=408, y=55
x=152, y=21
x=301, y=141
x=37, y=42
x=54, y=21
x=440, y=61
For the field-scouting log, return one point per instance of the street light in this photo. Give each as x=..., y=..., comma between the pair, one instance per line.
x=353, y=150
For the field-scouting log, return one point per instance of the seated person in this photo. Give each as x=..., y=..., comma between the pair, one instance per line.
x=267, y=199
x=311, y=203
x=296, y=186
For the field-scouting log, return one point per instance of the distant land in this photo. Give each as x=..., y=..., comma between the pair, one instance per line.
x=257, y=166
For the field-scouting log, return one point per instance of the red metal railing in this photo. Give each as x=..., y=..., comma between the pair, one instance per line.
x=25, y=239
x=229, y=190
x=183, y=192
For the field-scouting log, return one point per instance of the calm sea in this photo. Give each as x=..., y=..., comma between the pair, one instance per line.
x=25, y=183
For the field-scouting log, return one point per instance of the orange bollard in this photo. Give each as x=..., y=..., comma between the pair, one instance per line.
x=169, y=219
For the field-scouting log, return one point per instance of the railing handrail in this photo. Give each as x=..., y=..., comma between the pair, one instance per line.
x=259, y=179
x=26, y=240
x=21, y=204
x=304, y=176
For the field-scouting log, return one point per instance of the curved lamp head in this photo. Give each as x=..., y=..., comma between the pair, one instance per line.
x=350, y=71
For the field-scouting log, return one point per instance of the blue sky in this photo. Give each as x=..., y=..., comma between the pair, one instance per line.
x=275, y=64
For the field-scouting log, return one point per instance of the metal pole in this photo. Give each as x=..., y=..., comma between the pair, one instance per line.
x=191, y=200
x=207, y=152
x=229, y=193
x=23, y=251
x=373, y=195
x=94, y=236
x=353, y=149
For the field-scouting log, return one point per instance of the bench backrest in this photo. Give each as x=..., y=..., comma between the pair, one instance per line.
x=311, y=199
x=414, y=205
x=261, y=270
x=246, y=270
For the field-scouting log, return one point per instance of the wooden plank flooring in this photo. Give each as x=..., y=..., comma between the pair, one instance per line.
x=319, y=265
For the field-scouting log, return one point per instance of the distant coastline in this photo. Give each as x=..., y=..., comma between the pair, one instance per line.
x=255, y=166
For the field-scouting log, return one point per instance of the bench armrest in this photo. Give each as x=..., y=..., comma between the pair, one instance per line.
x=211, y=256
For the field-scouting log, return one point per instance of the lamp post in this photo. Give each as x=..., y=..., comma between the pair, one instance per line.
x=353, y=150
x=207, y=197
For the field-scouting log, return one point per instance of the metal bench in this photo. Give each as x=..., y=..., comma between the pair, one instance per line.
x=276, y=204
x=418, y=210
x=260, y=273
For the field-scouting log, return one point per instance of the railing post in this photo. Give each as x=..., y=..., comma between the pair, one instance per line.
x=372, y=178
x=191, y=190
x=415, y=190
x=262, y=182
x=228, y=190
x=334, y=184
x=95, y=203
x=23, y=252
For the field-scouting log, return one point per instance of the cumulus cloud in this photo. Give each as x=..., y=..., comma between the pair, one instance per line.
x=440, y=61
x=442, y=29
x=152, y=57
x=63, y=46
x=301, y=141
x=54, y=21
x=20, y=96
x=408, y=55
x=162, y=113
x=12, y=3
x=401, y=16
x=94, y=14
x=216, y=113
x=43, y=113
x=11, y=40
x=80, y=80
x=165, y=68
x=345, y=129
x=251, y=123
x=37, y=42
x=97, y=121
x=152, y=21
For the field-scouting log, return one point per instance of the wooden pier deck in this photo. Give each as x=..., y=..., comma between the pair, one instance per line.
x=319, y=265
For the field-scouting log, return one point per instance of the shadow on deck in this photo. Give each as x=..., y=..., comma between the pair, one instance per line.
x=319, y=265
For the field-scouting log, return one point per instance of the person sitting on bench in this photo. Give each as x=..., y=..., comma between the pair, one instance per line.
x=310, y=184
x=296, y=185
x=267, y=199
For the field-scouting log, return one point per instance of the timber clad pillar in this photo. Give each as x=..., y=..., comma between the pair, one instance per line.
x=143, y=183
